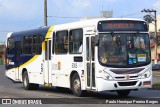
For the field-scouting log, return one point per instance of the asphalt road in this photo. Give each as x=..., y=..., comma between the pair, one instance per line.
x=8, y=89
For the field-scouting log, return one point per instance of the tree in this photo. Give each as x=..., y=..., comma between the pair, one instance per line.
x=148, y=18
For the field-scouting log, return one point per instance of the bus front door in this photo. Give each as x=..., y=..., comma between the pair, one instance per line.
x=47, y=63
x=17, y=60
x=90, y=62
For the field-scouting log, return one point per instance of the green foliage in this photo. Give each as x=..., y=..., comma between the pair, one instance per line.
x=156, y=84
x=148, y=18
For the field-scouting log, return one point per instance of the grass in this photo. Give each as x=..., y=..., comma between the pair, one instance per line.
x=156, y=84
x=156, y=73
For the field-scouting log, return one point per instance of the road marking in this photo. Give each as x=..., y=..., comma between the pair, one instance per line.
x=49, y=95
x=7, y=97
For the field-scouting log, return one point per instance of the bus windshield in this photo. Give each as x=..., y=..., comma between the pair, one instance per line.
x=124, y=50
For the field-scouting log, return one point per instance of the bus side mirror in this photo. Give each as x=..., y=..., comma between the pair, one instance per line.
x=96, y=41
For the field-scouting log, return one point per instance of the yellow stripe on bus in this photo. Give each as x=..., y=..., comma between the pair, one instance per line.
x=28, y=62
x=47, y=36
x=49, y=32
x=31, y=60
x=43, y=48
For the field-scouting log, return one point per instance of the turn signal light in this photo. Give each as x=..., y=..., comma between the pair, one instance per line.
x=147, y=83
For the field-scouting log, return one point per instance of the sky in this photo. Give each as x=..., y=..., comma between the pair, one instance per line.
x=20, y=15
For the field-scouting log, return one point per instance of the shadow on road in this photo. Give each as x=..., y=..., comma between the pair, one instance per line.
x=99, y=95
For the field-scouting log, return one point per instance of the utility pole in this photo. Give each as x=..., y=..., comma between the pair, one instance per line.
x=155, y=21
x=45, y=12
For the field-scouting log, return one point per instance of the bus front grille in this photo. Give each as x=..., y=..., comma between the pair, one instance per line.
x=123, y=77
x=132, y=83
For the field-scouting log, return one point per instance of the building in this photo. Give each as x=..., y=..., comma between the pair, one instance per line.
x=105, y=14
x=152, y=25
x=152, y=44
x=152, y=34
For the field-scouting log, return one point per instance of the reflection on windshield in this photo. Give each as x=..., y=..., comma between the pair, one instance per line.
x=124, y=49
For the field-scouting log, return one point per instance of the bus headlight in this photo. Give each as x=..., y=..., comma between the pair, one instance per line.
x=106, y=76
x=146, y=74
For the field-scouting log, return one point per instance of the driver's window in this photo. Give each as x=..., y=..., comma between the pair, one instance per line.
x=75, y=41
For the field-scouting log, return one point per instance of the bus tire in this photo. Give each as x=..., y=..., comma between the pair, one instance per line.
x=35, y=86
x=26, y=84
x=123, y=93
x=76, y=86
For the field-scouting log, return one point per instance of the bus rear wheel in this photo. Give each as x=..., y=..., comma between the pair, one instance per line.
x=26, y=84
x=76, y=86
x=123, y=93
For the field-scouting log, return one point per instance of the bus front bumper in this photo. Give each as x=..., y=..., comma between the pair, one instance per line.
x=103, y=85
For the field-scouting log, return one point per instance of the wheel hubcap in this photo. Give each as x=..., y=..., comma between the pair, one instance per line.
x=76, y=85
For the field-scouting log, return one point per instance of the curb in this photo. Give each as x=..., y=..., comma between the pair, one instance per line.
x=156, y=75
x=155, y=87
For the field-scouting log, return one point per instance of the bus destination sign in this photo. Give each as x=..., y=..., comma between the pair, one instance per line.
x=122, y=26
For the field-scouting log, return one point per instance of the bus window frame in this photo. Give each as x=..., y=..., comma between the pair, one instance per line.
x=37, y=44
x=56, y=34
x=53, y=42
x=76, y=41
x=13, y=47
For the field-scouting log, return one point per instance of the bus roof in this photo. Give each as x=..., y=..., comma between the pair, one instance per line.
x=88, y=23
x=73, y=25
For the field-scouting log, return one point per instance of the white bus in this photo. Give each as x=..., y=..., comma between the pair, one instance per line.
x=93, y=55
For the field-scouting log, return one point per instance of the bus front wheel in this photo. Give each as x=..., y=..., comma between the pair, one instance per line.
x=76, y=86
x=26, y=84
x=123, y=93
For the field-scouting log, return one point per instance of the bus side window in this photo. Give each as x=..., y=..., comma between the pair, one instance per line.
x=34, y=44
x=23, y=42
x=61, y=43
x=39, y=41
x=31, y=44
x=26, y=45
x=75, y=41
x=37, y=44
x=10, y=46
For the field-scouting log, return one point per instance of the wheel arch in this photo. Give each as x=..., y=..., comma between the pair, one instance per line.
x=71, y=75
x=23, y=70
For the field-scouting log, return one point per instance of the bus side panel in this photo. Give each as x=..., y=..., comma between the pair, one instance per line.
x=11, y=74
x=23, y=60
x=34, y=69
x=62, y=67
x=10, y=67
